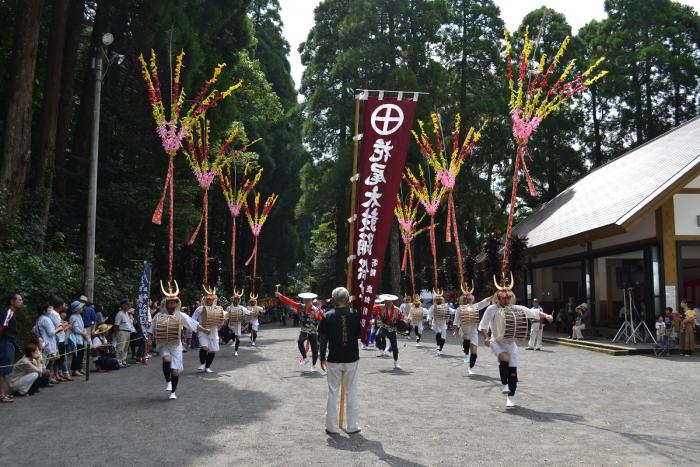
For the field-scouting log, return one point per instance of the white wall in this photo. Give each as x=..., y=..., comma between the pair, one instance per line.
x=686, y=211
x=694, y=184
x=644, y=229
x=553, y=254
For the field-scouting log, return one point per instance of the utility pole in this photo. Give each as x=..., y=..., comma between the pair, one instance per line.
x=89, y=285
x=92, y=193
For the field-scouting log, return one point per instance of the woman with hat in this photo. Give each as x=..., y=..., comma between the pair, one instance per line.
x=104, y=353
x=687, y=329
x=78, y=337
x=309, y=316
x=580, y=323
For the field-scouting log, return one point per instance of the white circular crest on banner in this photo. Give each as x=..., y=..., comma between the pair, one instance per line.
x=386, y=119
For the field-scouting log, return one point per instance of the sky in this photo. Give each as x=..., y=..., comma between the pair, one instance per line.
x=298, y=19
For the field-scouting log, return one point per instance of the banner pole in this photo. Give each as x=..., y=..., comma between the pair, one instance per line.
x=351, y=236
x=146, y=344
x=353, y=192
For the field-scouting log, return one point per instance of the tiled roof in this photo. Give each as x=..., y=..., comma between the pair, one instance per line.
x=615, y=192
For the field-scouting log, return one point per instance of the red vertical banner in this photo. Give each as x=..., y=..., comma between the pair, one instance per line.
x=386, y=130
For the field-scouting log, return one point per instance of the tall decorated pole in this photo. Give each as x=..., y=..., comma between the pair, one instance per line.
x=236, y=197
x=533, y=99
x=446, y=170
x=256, y=220
x=197, y=151
x=430, y=198
x=407, y=216
x=176, y=127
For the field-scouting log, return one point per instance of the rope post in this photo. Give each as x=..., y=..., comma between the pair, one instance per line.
x=351, y=235
x=87, y=360
x=233, y=254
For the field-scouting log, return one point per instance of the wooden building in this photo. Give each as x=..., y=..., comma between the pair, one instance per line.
x=631, y=223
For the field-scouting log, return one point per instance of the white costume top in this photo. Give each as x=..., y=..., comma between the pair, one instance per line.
x=431, y=312
x=174, y=351
x=510, y=348
x=490, y=314
x=209, y=341
x=254, y=312
x=479, y=306
x=536, y=321
x=409, y=313
x=235, y=326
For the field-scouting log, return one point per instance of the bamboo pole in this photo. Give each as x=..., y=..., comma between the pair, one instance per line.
x=353, y=192
x=351, y=235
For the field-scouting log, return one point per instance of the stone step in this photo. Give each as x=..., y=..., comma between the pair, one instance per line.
x=609, y=349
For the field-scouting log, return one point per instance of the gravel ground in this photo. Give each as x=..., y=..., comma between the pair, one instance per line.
x=575, y=408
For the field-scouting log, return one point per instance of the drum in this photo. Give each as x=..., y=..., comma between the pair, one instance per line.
x=468, y=316
x=213, y=317
x=509, y=325
x=402, y=328
x=442, y=313
x=235, y=316
x=416, y=315
x=168, y=329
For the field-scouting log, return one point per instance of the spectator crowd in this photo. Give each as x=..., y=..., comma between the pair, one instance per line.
x=64, y=339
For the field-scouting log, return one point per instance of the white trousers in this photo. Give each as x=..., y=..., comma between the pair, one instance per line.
x=347, y=373
x=535, y=337
x=578, y=331
x=209, y=341
x=506, y=347
x=472, y=333
x=25, y=382
x=440, y=327
x=174, y=351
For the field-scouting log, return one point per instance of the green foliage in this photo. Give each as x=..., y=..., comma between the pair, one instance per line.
x=451, y=49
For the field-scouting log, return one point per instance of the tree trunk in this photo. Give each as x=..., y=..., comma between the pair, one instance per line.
x=65, y=109
x=16, y=151
x=638, y=117
x=42, y=172
x=651, y=131
x=463, y=61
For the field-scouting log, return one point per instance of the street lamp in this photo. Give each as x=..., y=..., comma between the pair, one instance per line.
x=107, y=39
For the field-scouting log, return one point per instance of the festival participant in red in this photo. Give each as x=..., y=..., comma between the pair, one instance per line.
x=388, y=317
x=309, y=316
